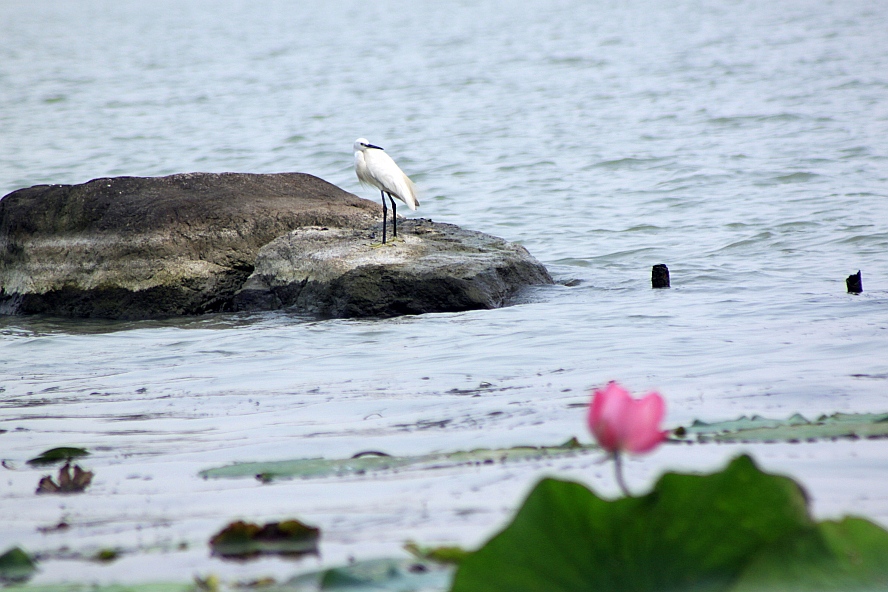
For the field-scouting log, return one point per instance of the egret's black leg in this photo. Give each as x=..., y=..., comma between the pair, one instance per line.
x=384, y=215
x=394, y=215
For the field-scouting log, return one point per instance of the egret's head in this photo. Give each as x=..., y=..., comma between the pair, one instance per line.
x=362, y=144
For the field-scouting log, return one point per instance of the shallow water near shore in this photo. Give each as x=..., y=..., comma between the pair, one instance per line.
x=742, y=144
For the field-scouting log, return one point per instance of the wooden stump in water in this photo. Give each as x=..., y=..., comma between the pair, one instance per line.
x=660, y=276
x=854, y=283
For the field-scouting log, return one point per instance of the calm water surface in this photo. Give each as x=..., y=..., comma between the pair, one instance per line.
x=742, y=143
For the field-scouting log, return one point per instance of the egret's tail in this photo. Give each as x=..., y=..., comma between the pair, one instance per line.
x=405, y=190
x=410, y=194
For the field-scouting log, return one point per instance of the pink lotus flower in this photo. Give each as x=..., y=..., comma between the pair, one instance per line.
x=621, y=423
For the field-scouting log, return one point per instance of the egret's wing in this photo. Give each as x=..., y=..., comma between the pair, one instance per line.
x=382, y=172
x=361, y=170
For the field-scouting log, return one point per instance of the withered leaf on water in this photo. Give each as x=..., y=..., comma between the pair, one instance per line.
x=69, y=482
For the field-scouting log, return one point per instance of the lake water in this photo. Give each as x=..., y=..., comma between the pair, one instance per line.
x=742, y=143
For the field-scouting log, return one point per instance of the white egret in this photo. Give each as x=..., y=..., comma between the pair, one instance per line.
x=374, y=167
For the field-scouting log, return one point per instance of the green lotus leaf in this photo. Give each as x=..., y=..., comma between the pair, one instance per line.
x=850, y=555
x=56, y=455
x=794, y=429
x=378, y=575
x=16, y=566
x=376, y=461
x=691, y=533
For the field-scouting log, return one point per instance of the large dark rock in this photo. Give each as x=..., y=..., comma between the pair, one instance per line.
x=131, y=247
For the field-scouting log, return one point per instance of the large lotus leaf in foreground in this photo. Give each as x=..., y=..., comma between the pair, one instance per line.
x=737, y=530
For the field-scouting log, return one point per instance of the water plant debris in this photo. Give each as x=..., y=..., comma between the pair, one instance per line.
x=445, y=555
x=69, y=482
x=245, y=540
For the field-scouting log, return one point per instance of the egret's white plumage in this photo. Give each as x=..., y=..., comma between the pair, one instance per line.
x=376, y=168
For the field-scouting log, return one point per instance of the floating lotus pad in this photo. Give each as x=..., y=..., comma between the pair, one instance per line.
x=795, y=429
x=369, y=462
x=378, y=575
x=744, y=429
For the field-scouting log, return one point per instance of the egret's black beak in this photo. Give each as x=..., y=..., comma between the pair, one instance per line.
x=372, y=146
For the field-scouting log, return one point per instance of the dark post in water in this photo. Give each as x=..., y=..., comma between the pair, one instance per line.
x=854, y=283
x=660, y=276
